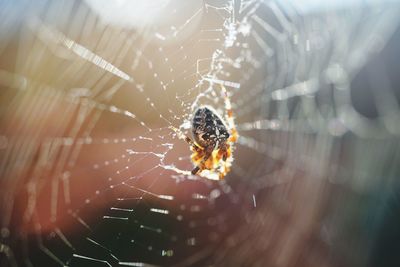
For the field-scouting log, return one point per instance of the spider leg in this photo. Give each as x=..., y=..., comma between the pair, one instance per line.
x=195, y=170
x=229, y=115
x=224, y=151
x=208, y=152
x=225, y=156
x=189, y=141
x=195, y=146
x=185, y=137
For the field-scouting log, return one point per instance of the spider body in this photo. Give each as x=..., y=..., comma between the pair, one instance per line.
x=211, y=135
x=208, y=129
x=212, y=142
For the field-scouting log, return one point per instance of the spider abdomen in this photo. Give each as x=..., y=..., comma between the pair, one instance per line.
x=208, y=128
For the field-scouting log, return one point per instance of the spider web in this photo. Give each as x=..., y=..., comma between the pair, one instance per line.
x=93, y=175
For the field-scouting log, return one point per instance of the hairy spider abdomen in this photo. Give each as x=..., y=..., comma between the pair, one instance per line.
x=208, y=129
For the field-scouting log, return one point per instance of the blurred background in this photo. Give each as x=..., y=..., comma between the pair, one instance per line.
x=91, y=173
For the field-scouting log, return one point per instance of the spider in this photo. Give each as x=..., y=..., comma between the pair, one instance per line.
x=212, y=141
